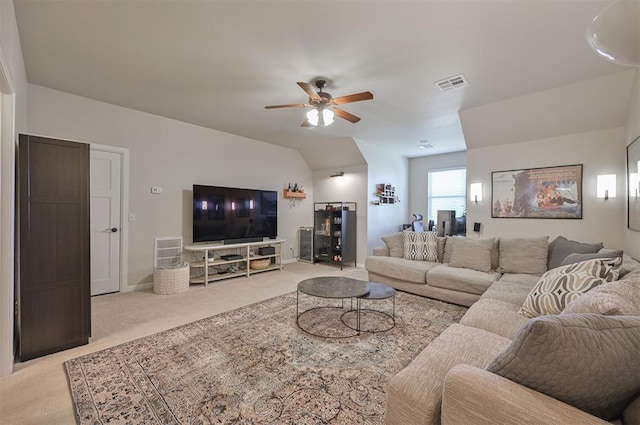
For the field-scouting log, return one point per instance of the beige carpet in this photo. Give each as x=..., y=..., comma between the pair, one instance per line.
x=255, y=365
x=38, y=392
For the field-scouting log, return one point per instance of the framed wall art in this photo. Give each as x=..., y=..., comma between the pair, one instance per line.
x=633, y=183
x=549, y=192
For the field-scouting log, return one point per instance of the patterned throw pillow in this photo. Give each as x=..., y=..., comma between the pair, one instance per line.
x=420, y=246
x=558, y=287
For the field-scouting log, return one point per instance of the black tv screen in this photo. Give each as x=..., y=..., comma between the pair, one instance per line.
x=233, y=214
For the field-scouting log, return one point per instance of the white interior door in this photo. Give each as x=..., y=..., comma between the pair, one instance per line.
x=105, y=222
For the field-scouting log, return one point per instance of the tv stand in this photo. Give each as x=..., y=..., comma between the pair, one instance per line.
x=207, y=259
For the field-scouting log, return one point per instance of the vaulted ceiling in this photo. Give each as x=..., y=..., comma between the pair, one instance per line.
x=218, y=63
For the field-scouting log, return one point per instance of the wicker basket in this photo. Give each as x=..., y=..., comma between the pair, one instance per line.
x=260, y=264
x=171, y=280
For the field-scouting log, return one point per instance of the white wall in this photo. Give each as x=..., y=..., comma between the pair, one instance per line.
x=14, y=119
x=388, y=167
x=418, y=172
x=173, y=155
x=601, y=152
x=349, y=188
x=631, y=238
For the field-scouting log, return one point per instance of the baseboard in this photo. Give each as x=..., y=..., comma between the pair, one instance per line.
x=138, y=287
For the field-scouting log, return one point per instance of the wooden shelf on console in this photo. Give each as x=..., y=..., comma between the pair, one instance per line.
x=291, y=194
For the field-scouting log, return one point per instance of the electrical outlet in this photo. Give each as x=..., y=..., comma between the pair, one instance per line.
x=156, y=190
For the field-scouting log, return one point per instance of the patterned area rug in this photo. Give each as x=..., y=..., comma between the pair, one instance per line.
x=254, y=365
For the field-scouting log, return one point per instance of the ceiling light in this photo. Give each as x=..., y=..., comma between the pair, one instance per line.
x=615, y=33
x=318, y=119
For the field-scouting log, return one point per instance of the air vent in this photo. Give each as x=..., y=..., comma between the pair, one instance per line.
x=452, y=83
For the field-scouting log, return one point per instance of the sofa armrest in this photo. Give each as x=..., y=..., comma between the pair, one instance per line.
x=475, y=396
x=381, y=251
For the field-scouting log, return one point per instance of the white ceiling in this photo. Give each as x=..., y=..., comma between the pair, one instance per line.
x=218, y=63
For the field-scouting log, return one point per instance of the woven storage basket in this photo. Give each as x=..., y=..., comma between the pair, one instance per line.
x=171, y=280
x=260, y=264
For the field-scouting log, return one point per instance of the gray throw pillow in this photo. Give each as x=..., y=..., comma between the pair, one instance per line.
x=560, y=247
x=589, y=361
x=577, y=258
x=395, y=244
x=472, y=254
x=523, y=255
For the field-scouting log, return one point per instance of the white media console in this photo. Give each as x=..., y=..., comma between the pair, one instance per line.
x=207, y=264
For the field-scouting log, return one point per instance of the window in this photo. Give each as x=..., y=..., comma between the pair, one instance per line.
x=446, y=190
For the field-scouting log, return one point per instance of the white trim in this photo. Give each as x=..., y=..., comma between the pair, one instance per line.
x=124, y=210
x=7, y=216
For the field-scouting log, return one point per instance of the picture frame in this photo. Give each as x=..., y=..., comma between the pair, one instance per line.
x=545, y=192
x=633, y=185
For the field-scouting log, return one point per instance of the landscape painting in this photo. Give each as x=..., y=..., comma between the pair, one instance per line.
x=549, y=192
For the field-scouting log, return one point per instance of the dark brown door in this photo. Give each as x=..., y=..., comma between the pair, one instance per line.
x=54, y=289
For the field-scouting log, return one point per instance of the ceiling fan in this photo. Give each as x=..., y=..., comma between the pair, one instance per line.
x=323, y=105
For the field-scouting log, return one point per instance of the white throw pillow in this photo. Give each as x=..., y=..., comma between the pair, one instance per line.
x=558, y=287
x=421, y=246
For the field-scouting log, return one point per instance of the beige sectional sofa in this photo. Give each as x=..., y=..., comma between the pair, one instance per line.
x=434, y=279
x=491, y=369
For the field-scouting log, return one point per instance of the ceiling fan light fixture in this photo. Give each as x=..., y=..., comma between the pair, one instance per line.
x=320, y=117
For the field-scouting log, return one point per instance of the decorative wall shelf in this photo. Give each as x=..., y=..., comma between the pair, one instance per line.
x=289, y=194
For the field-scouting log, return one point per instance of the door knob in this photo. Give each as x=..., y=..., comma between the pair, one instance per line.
x=113, y=229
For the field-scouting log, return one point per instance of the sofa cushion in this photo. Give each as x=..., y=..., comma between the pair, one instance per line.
x=463, y=280
x=523, y=255
x=420, y=246
x=558, y=287
x=560, y=247
x=395, y=244
x=448, y=250
x=528, y=280
x=399, y=268
x=631, y=414
x=414, y=395
x=509, y=292
x=577, y=258
x=495, y=316
x=620, y=297
x=441, y=241
x=587, y=360
x=472, y=254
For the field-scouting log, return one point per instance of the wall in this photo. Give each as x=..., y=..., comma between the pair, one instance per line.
x=349, y=188
x=173, y=155
x=384, y=166
x=418, y=172
x=601, y=152
x=631, y=238
x=13, y=85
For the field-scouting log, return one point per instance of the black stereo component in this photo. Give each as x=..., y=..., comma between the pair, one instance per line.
x=267, y=250
x=231, y=257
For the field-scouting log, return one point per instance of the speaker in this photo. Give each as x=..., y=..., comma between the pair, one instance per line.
x=476, y=227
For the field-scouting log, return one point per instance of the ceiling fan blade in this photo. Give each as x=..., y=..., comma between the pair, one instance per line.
x=308, y=89
x=291, y=105
x=346, y=115
x=306, y=123
x=340, y=100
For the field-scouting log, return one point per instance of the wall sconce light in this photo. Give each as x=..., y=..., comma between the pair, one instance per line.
x=338, y=174
x=475, y=192
x=606, y=186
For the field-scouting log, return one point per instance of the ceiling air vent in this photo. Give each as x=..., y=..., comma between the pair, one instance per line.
x=452, y=83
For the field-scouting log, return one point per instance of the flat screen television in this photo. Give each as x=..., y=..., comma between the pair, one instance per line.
x=234, y=215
